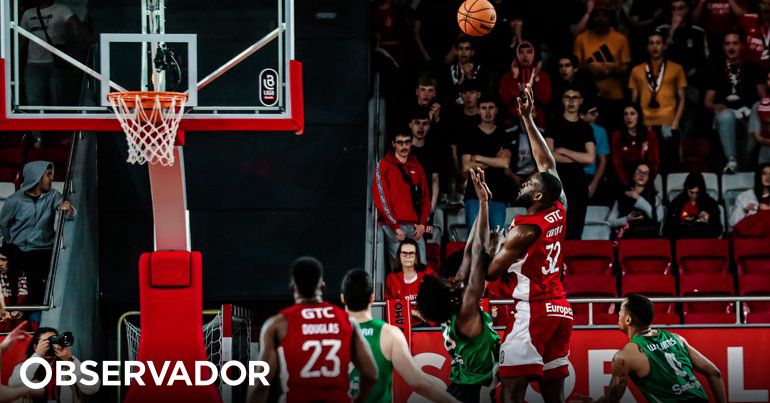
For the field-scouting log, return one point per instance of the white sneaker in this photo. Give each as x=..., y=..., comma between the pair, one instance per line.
x=730, y=168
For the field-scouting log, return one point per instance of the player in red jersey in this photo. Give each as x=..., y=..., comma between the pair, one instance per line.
x=536, y=345
x=311, y=345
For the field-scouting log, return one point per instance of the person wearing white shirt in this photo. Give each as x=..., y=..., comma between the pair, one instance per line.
x=753, y=200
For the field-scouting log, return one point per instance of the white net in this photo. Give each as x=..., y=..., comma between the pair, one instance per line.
x=150, y=121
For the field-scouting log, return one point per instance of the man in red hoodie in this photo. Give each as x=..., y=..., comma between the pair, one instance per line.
x=401, y=195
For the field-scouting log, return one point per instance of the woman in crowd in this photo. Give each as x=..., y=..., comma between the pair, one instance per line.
x=638, y=212
x=404, y=282
x=753, y=200
x=633, y=145
x=693, y=214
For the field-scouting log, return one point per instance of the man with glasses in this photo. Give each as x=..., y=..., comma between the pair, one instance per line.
x=401, y=195
x=589, y=112
x=570, y=75
x=572, y=143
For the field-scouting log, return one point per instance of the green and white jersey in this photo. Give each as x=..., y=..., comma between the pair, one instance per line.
x=473, y=359
x=671, y=377
x=383, y=389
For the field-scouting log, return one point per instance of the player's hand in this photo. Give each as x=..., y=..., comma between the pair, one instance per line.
x=400, y=234
x=419, y=230
x=62, y=353
x=479, y=184
x=526, y=102
x=496, y=241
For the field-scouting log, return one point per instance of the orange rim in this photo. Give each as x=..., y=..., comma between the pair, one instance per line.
x=147, y=98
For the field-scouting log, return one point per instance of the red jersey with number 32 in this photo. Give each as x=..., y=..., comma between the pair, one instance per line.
x=538, y=276
x=315, y=354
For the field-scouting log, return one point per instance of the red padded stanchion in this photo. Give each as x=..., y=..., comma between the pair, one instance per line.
x=171, y=303
x=400, y=315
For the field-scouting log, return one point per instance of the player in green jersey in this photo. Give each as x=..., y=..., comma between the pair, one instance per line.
x=468, y=334
x=388, y=346
x=660, y=363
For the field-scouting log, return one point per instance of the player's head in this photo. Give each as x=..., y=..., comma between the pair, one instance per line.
x=542, y=188
x=307, y=277
x=439, y=298
x=357, y=290
x=636, y=311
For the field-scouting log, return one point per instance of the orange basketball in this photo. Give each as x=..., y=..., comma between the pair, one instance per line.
x=476, y=17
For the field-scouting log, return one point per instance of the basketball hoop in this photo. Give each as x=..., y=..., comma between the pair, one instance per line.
x=150, y=120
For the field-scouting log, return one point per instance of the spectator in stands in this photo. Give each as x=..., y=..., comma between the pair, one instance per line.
x=27, y=220
x=489, y=147
x=462, y=67
x=13, y=336
x=693, y=214
x=388, y=23
x=733, y=87
x=589, y=111
x=401, y=195
x=572, y=142
x=606, y=54
x=686, y=45
x=658, y=85
x=426, y=96
x=428, y=155
x=759, y=124
x=524, y=165
x=465, y=121
x=718, y=17
x=753, y=200
x=633, y=145
x=638, y=212
x=643, y=18
x=13, y=285
x=755, y=28
x=41, y=347
x=435, y=29
x=45, y=74
x=405, y=279
x=524, y=70
x=570, y=76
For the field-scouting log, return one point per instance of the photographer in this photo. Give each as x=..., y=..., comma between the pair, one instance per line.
x=48, y=344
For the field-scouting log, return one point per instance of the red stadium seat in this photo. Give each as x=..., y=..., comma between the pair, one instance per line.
x=666, y=318
x=58, y=155
x=703, y=255
x=650, y=285
x=645, y=256
x=708, y=318
x=755, y=285
x=588, y=257
x=433, y=252
x=452, y=248
x=752, y=256
x=702, y=285
x=592, y=286
x=758, y=317
x=171, y=302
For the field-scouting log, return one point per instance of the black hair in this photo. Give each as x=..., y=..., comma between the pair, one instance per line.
x=306, y=273
x=36, y=338
x=426, y=81
x=435, y=301
x=357, y=288
x=758, y=187
x=641, y=310
x=419, y=112
x=641, y=130
x=733, y=32
x=587, y=105
x=695, y=180
x=551, y=187
x=462, y=39
x=573, y=88
x=656, y=33
x=417, y=258
x=487, y=99
x=400, y=131
x=572, y=59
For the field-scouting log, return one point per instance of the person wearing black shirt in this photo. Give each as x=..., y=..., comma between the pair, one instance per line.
x=694, y=214
x=570, y=76
x=464, y=120
x=733, y=86
x=489, y=147
x=426, y=151
x=572, y=142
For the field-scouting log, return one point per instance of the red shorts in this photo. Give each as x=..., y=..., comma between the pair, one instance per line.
x=537, y=340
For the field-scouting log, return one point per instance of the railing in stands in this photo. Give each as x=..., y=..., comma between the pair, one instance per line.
x=376, y=143
x=590, y=301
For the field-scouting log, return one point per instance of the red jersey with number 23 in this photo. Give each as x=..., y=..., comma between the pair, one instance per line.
x=538, y=276
x=315, y=354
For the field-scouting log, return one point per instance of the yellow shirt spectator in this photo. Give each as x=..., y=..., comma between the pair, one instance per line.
x=673, y=80
x=610, y=50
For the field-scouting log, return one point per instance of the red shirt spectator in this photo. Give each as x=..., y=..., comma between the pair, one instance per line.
x=393, y=194
x=404, y=282
x=13, y=286
x=525, y=71
x=633, y=145
x=757, y=34
x=719, y=16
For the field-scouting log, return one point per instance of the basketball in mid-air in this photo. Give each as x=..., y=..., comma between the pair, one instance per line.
x=476, y=17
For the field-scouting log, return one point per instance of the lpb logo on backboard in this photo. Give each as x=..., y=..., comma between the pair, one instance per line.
x=268, y=87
